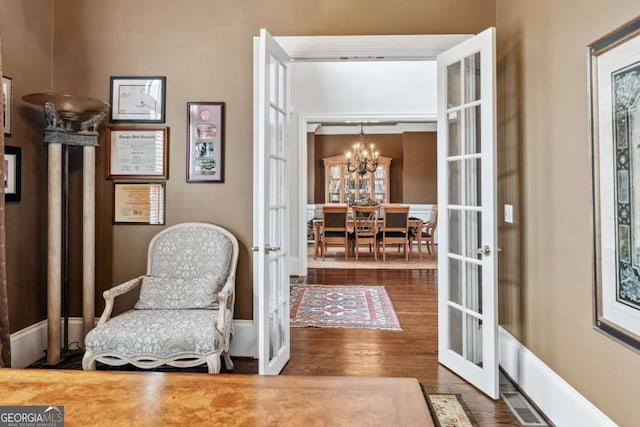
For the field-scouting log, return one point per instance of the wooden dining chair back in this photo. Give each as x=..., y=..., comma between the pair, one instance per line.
x=426, y=232
x=334, y=227
x=395, y=229
x=429, y=230
x=365, y=228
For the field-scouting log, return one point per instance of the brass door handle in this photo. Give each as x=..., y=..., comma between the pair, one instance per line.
x=268, y=248
x=485, y=250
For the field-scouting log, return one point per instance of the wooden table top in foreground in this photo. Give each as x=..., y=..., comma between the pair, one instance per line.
x=193, y=399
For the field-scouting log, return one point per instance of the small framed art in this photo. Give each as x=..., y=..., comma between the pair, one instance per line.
x=205, y=142
x=137, y=99
x=12, y=169
x=137, y=152
x=138, y=203
x=7, y=104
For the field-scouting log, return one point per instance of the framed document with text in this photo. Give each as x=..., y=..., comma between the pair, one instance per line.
x=137, y=152
x=137, y=99
x=138, y=203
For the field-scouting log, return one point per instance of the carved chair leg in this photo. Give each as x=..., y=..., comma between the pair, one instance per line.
x=213, y=363
x=227, y=361
x=88, y=362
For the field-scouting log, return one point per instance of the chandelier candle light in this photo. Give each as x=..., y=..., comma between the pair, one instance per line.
x=363, y=161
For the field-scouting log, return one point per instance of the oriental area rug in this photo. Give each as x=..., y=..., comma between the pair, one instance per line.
x=367, y=307
x=449, y=410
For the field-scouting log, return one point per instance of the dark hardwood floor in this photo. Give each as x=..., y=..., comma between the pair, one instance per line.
x=412, y=352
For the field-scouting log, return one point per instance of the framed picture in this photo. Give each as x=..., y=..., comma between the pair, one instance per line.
x=205, y=142
x=614, y=65
x=7, y=104
x=137, y=152
x=138, y=203
x=12, y=168
x=137, y=99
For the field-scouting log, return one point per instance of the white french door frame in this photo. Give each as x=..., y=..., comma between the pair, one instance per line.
x=304, y=51
x=468, y=302
x=271, y=203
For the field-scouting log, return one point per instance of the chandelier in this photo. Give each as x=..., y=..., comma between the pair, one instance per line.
x=363, y=161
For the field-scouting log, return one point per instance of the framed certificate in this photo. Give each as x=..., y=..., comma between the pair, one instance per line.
x=137, y=152
x=138, y=203
x=137, y=99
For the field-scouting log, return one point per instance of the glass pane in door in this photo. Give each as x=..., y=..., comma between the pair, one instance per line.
x=455, y=133
x=472, y=78
x=455, y=330
x=453, y=85
x=473, y=340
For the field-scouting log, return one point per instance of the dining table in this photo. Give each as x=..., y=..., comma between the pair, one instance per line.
x=319, y=222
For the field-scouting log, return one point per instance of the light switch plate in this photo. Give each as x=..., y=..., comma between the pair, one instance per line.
x=508, y=213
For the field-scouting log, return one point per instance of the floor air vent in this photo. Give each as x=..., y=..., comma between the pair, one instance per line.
x=523, y=411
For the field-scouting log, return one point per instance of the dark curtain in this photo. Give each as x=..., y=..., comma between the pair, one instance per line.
x=5, y=343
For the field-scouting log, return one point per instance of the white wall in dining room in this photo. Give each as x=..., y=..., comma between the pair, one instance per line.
x=385, y=88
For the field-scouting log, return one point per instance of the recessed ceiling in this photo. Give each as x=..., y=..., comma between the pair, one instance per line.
x=369, y=48
x=342, y=128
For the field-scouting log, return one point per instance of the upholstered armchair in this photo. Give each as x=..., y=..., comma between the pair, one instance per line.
x=184, y=313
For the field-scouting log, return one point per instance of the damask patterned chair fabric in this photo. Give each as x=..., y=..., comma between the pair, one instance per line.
x=185, y=310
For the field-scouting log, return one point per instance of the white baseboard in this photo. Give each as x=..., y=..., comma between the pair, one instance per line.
x=295, y=267
x=560, y=402
x=243, y=343
x=28, y=344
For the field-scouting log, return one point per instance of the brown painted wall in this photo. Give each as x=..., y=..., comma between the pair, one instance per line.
x=204, y=48
x=311, y=161
x=420, y=167
x=546, y=284
x=386, y=145
x=27, y=57
x=413, y=171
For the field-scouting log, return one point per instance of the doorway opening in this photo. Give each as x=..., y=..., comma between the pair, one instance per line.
x=410, y=179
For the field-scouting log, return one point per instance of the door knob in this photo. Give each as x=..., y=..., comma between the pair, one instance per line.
x=485, y=250
x=268, y=248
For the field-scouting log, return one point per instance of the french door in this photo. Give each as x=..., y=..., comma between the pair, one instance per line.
x=271, y=218
x=467, y=279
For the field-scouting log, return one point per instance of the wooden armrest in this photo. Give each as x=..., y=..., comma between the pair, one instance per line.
x=110, y=295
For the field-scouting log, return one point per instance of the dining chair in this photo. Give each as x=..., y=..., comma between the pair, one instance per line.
x=426, y=233
x=395, y=229
x=365, y=228
x=334, y=227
